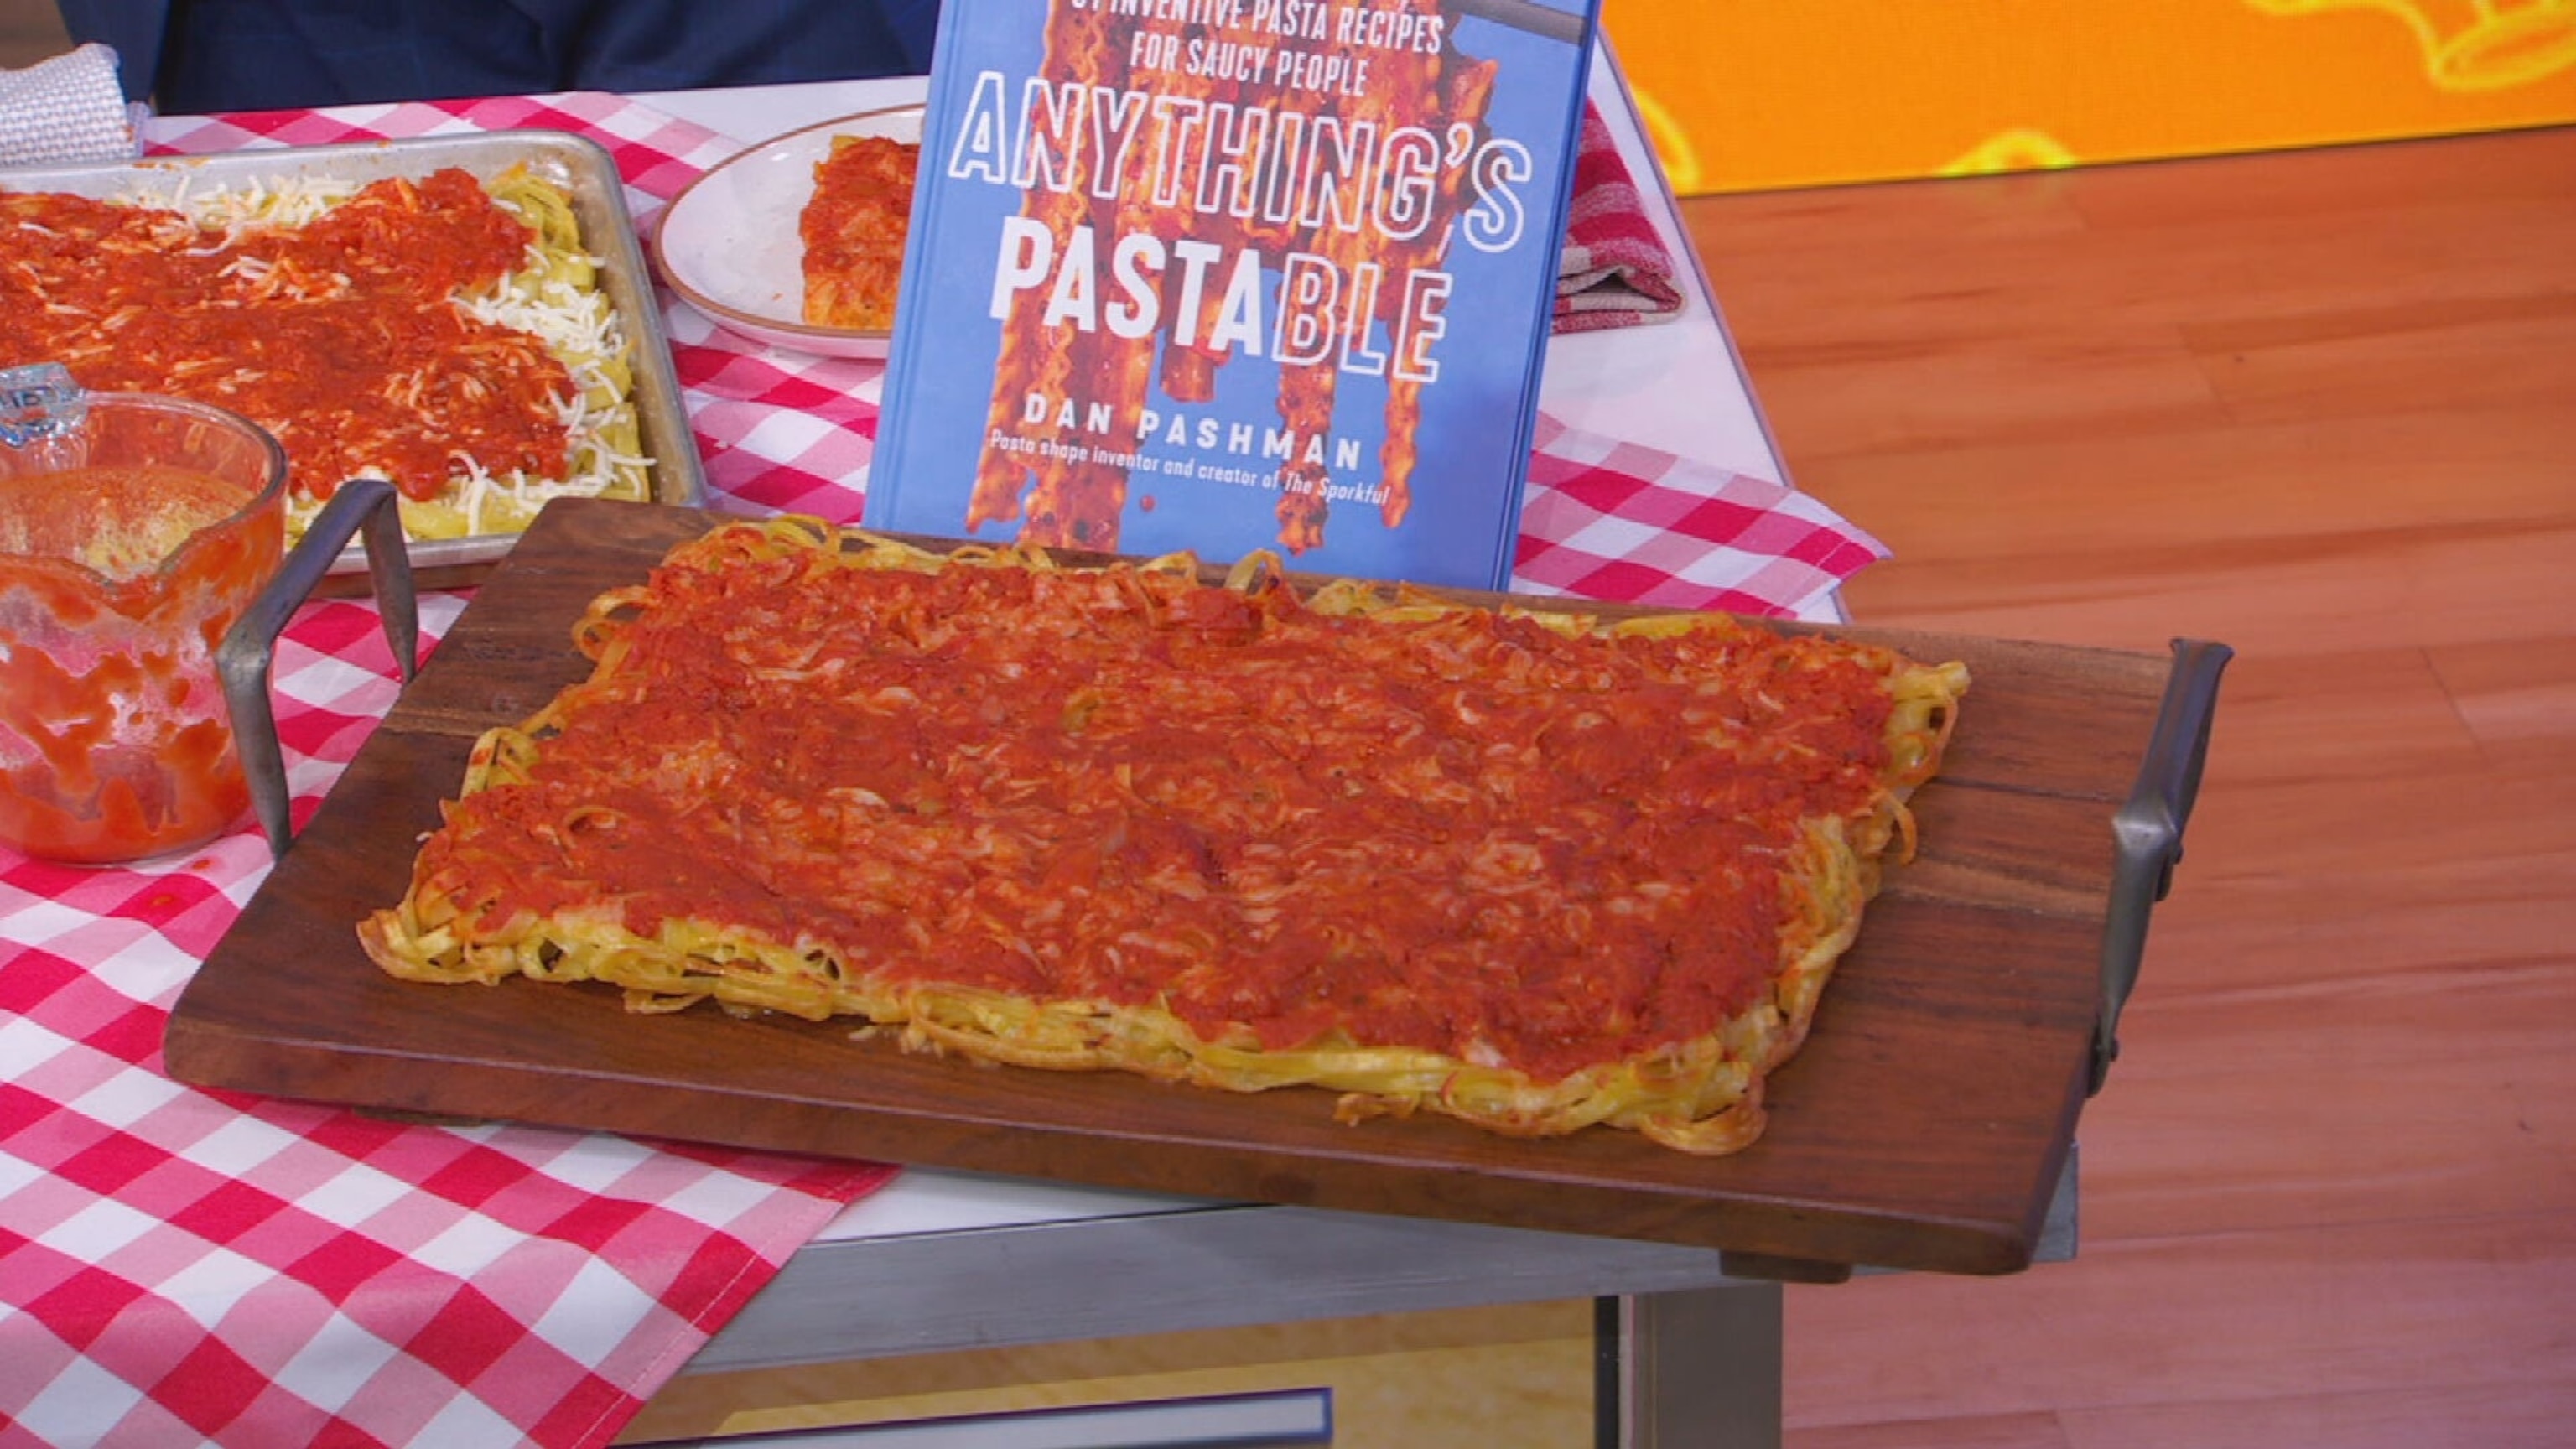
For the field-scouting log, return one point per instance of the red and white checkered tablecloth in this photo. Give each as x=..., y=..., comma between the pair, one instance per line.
x=179, y=1266
x=184, y=1267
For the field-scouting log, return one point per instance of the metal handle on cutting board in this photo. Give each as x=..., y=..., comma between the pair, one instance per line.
x=2147, y=830
x=250, y=647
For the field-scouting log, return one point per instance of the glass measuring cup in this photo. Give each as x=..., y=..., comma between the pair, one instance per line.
x=133, y=531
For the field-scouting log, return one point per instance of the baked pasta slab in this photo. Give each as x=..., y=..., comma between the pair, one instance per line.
x=853, y=231
x=1527, y=869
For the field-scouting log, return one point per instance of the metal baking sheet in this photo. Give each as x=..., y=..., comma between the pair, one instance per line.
x=581, y=167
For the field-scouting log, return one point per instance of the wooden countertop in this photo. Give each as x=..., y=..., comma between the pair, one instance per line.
x=2321, y=405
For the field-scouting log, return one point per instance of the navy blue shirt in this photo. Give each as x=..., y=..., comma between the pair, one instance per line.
x=190, y=56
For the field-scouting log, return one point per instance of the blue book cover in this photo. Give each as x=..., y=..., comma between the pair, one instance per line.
x=1227, y=276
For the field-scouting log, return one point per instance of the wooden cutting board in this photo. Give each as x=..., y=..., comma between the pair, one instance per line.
x=1923, y=1126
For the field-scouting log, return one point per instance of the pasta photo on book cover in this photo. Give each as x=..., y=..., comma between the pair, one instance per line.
x=1235, y=275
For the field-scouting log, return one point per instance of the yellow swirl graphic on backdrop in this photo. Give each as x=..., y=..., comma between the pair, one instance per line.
x=1672, y=144
x=2020, y=149
x=2486, y=45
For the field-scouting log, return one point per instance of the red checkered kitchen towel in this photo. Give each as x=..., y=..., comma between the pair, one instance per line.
x=1615, y=270
x=180, y=1267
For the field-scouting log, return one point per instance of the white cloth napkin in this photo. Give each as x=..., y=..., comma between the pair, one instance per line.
x=66, y=109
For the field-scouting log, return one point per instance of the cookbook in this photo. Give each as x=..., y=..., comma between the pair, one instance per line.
x=1231, y=276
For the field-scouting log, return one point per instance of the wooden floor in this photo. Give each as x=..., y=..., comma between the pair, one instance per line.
x=2321, y=407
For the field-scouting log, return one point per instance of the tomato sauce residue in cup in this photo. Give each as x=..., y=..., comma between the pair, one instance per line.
x=116, y=586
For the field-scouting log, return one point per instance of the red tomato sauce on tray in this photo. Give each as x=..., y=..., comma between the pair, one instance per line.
x=337, y=335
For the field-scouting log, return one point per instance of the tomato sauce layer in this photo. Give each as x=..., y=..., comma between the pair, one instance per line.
x=1473, y=835
x=340, y=335
x=853, y=231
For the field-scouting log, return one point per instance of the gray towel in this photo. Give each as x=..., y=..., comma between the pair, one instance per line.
x=66, y=109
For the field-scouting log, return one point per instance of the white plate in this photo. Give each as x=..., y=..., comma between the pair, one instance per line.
x=728, y=243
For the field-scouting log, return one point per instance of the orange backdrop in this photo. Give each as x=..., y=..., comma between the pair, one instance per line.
x=1745, y=94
